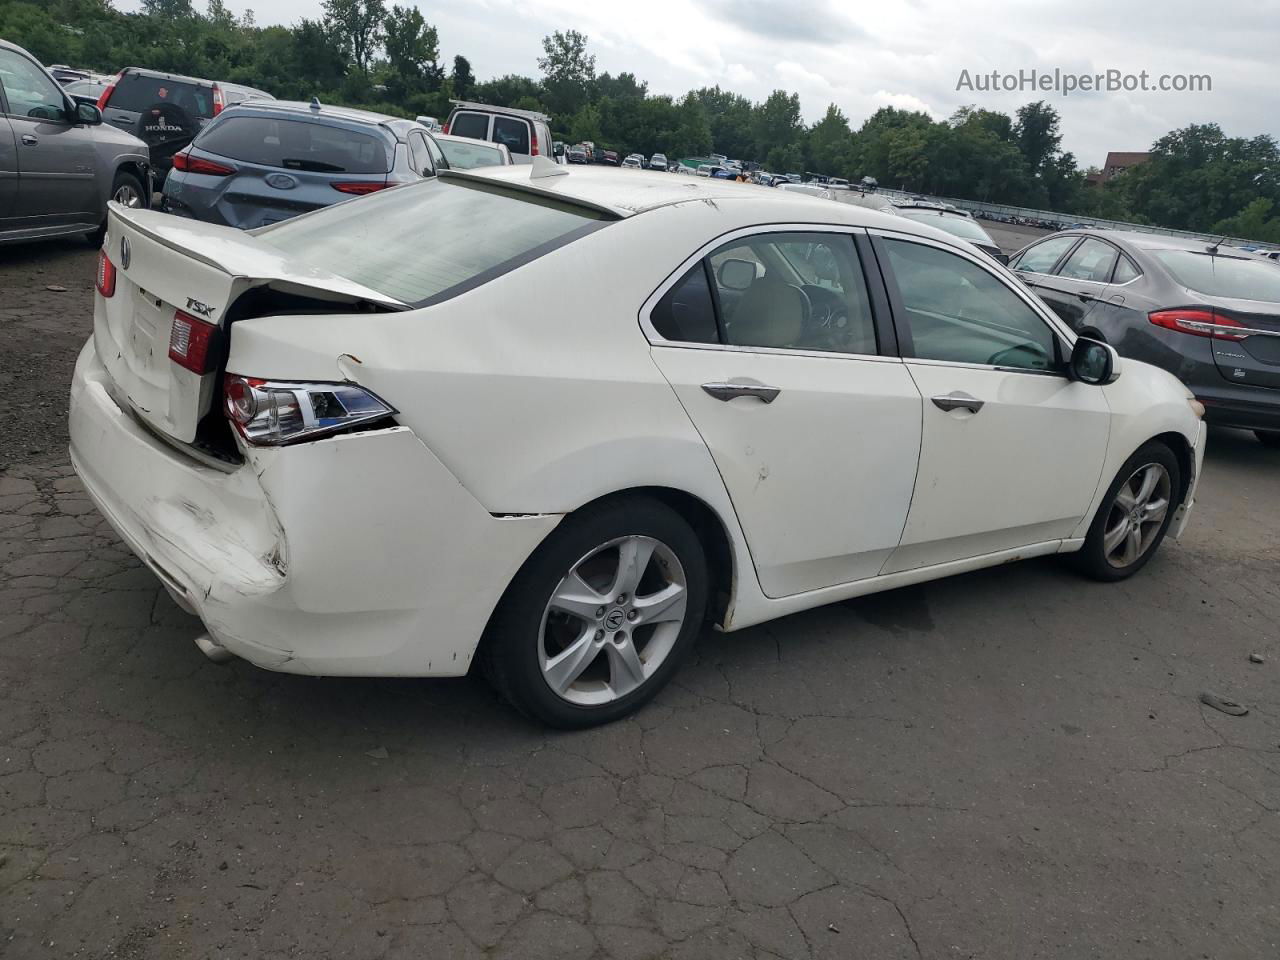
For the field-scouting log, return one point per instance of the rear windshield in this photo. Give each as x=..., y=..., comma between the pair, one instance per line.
x=1222, y=276
x=954, y=225
x=473, y=125
x=476, y=233
x=512, y=133
x=295, y=145
x=138, y=92
x=464, y=156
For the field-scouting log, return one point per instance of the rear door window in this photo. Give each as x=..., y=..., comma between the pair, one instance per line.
x=512, y=132
x=1041, y=257
x=1093, y=260
x=137, y=92
x=295, y=145
x=473, y=125
x=686, y=312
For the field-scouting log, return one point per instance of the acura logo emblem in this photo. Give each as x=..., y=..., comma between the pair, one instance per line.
x=125, y=255
x=614, y=620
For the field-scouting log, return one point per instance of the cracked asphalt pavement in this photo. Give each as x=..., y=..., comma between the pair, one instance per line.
x=1009, y=764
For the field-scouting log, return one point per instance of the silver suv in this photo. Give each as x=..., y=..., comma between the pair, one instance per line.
x=59, y=164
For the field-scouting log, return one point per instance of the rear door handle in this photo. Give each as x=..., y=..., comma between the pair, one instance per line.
x=958, y=401
x=733, y=389
x=1085, y=296
x=30, y=140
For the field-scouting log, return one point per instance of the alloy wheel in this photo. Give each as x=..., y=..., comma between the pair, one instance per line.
x=127, y=195
x=1137, y=515
x=612, y=620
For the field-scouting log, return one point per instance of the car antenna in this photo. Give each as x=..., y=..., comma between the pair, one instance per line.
x=543, y=167
x=1213, y=249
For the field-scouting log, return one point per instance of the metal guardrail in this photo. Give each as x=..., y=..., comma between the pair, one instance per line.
x=1069, y=219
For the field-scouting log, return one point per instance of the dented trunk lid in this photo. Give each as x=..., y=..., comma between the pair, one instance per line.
x=165, y=264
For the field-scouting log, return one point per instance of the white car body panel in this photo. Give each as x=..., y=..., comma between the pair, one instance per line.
x=514, y=412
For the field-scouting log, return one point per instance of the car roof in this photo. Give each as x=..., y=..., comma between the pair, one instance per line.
x=297, y=108
x=641, y=192
x=1147, y=241
x=471, y=140
x=491, y=108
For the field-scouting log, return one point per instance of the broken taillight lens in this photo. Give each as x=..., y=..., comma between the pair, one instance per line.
x=274, y=412
x=190, y=343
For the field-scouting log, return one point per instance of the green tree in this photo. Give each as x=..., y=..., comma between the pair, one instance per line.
x=777, y=129
x=1037, y=134
x=463, y=79
x=831, y=144
x=358, y=27
x=568, y=71
x=413, y=51
x=1254, y=222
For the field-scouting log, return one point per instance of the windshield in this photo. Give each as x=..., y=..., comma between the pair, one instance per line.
x=1222, y=276
x=378, y=240
x=465, y=156
x=955, y=225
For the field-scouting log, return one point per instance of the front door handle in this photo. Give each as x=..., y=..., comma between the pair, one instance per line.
x=958, y=401
x=30, y=140
x=1086, y=296
x=733, y=389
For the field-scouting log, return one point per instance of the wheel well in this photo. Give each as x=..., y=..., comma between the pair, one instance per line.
x=1182, y=450
x=138, y=170
x=711, y=533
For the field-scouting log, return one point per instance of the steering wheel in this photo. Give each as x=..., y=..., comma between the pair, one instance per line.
x=1026, y=355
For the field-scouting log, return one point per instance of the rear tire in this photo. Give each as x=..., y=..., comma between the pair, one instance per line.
x=126, y=189
x=1132, y=520
x=1268, y=438
x=587, y=632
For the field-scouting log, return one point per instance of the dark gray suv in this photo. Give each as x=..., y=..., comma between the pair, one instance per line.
x=1209, y=315
x=59, y=163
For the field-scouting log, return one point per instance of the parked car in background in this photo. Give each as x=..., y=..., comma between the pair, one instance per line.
x=88, y=89
x=953, y=222
x=634, y=162
x=355, y=481
x=525, y=133
x=431, y=123
x=59, y=164
x=610, y=157
x=463, y=153
x=1208, y=315
x=658, y=162
x=576, y=154
x=65, y=74
x=265, y=162
x=167, y=110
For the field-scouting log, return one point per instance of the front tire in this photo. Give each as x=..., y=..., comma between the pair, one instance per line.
x=1268, y=438
x=126, y=189
x=599, y=617
x=1134, y=516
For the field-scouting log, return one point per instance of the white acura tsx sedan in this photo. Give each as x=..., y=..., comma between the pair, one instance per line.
x=556, y=422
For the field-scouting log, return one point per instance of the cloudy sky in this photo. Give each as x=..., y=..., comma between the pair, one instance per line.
x=906, y=54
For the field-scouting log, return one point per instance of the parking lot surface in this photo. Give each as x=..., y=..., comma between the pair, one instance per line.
x=1009, y=764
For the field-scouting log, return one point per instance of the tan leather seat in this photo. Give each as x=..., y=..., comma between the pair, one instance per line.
x=771, y=313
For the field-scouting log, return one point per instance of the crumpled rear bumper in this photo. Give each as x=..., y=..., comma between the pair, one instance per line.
x=354, y=555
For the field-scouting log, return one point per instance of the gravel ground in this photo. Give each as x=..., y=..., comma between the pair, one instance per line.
x=1010, y=764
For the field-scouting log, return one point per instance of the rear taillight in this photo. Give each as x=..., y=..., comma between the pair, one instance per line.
x=191, y=342
x=359, y=187
x=533, y=142
x=1199, y=322
x=445, y=128
x=111, y=88
x=106, y=282
x=273, y=412
x=218, y=102
x=183, y=160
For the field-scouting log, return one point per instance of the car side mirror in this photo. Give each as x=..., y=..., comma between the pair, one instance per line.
x=736, y=274
x=1094, y=362
x=87, y=113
